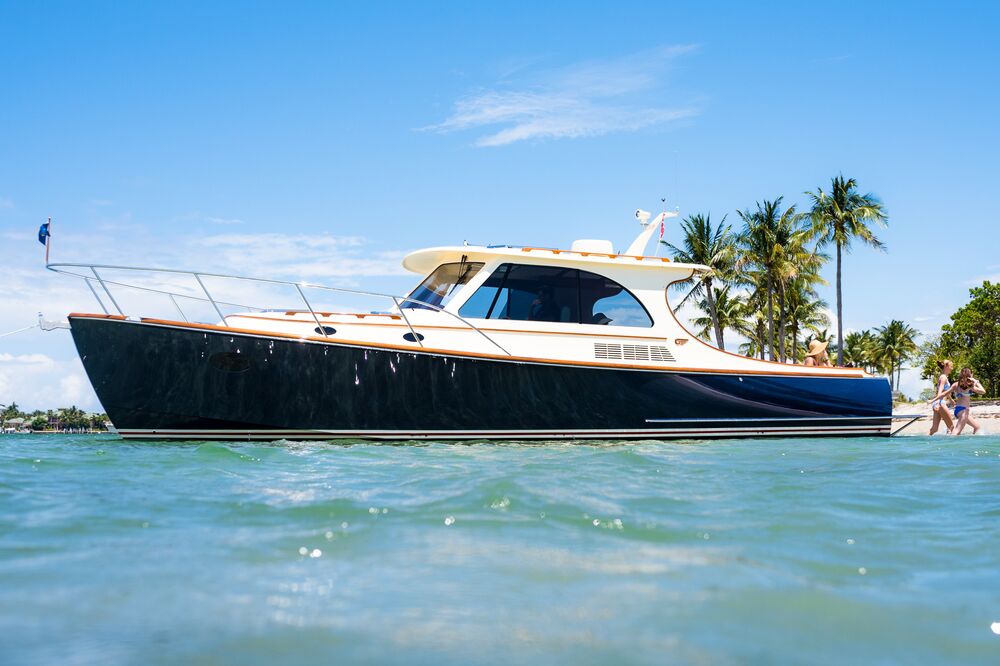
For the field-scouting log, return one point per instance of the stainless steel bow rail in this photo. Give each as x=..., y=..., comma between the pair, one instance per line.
x=94, y=277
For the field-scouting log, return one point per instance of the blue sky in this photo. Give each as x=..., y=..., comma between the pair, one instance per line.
x=331, y=139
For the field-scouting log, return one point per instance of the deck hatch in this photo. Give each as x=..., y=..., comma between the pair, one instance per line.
x=621, y=352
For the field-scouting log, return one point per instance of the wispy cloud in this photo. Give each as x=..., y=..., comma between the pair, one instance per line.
x=6, y=202
x=585, y=99
x=980, y=279
x=321, y=256
x=198, y=217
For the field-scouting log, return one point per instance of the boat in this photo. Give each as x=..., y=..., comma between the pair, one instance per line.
x=496, y=342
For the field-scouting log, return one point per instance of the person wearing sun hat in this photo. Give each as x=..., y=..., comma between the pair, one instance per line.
x=817, y=354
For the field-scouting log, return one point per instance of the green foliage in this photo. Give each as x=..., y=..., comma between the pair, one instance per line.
x=709, y=246
x=883, y=350
x=897, y=343
x=774, y=256
x=777, y=256
x=839, y=217
x=731, y=314
x=60, y=419
x=972, y=338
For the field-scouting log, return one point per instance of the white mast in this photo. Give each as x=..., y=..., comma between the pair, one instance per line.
x=638, y=246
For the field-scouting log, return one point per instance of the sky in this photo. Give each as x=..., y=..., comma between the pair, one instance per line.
x=325, y=140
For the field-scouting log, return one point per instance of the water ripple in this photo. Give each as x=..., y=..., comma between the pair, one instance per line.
x=594, y=552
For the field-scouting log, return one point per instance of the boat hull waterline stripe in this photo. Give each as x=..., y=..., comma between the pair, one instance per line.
x=516, y=435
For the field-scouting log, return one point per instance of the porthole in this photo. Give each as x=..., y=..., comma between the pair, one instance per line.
x=409, y=337
x=326, y=330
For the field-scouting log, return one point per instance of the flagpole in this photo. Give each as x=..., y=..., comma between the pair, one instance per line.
x=48, y=240
x=662, y=220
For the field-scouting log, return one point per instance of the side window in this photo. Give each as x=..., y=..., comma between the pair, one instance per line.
x=547, y=293
x=540, y=293
x=605, y=302
x=527, y=293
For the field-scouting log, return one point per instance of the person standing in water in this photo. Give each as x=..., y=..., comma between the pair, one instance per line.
x=939, y=407
x=962, y=391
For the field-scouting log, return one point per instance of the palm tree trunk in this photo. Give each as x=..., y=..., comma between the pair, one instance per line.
x=713, y=313
x=781, y=321
x=840, y=312
x=770, y=317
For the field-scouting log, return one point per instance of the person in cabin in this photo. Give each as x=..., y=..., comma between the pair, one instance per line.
x=962, y=392
x=939, y=405
x=817, y=355
x=544, y=307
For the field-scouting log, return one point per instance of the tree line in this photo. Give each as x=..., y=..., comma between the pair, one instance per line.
x=57, y=419
x=763, y=278
x=971, y=338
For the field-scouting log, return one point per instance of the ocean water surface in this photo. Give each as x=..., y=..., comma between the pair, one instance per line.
x=772, y=551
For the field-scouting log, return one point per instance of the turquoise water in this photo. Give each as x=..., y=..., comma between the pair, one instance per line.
x=789, y=551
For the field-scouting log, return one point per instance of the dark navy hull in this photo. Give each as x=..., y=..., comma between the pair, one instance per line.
x=160, y=381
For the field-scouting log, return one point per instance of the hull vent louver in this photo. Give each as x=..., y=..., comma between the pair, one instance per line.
x=619, y=352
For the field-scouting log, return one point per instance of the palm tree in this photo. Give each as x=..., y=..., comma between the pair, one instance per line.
x=839, y=217
x=710, y=246
x=11, y=411
x=860, y=350
x=757, y=243
x=792, y=259
x=898, y=342
x=731, y=313
x=756, y=343
x=773, y=245
x=806, y=311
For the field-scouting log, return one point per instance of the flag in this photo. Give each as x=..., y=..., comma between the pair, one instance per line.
x=43, y=237
x=662, y=228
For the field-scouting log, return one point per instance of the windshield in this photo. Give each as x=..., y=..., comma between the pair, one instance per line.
x=438, y=287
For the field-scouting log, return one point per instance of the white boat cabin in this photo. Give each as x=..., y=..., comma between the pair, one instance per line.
x=585, y=306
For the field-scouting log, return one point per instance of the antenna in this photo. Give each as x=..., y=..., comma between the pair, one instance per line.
x=663, y=213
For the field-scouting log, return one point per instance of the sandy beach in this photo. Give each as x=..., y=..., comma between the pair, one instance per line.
x=987, y=413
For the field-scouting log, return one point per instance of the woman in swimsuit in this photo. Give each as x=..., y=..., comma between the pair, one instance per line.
x=962, y=391
x=939, y=406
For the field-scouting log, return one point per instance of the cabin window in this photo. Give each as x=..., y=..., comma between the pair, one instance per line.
x=603, y=301
x=538, y=293
x=439, y=287
x=546, y=293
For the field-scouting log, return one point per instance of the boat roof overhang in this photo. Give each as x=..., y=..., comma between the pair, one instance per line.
x=425, y=261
